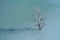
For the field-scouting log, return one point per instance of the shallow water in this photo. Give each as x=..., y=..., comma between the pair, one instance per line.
x=21, y=35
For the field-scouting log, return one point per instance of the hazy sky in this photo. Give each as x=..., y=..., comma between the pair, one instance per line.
x=17, y=13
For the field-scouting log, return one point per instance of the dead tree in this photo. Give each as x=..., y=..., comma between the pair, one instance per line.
x=38, y=18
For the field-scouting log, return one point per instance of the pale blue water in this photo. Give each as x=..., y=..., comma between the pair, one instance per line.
x=16, y=14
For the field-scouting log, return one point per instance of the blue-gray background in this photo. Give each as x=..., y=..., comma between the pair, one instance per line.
x=17, y=14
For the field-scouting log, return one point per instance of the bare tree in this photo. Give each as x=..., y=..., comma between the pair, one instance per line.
x=38, y=18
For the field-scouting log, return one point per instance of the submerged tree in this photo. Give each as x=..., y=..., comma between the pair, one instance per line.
x=38, y=18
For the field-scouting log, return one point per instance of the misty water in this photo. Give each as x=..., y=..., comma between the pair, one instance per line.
x=16, y=21
x=21, y=35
